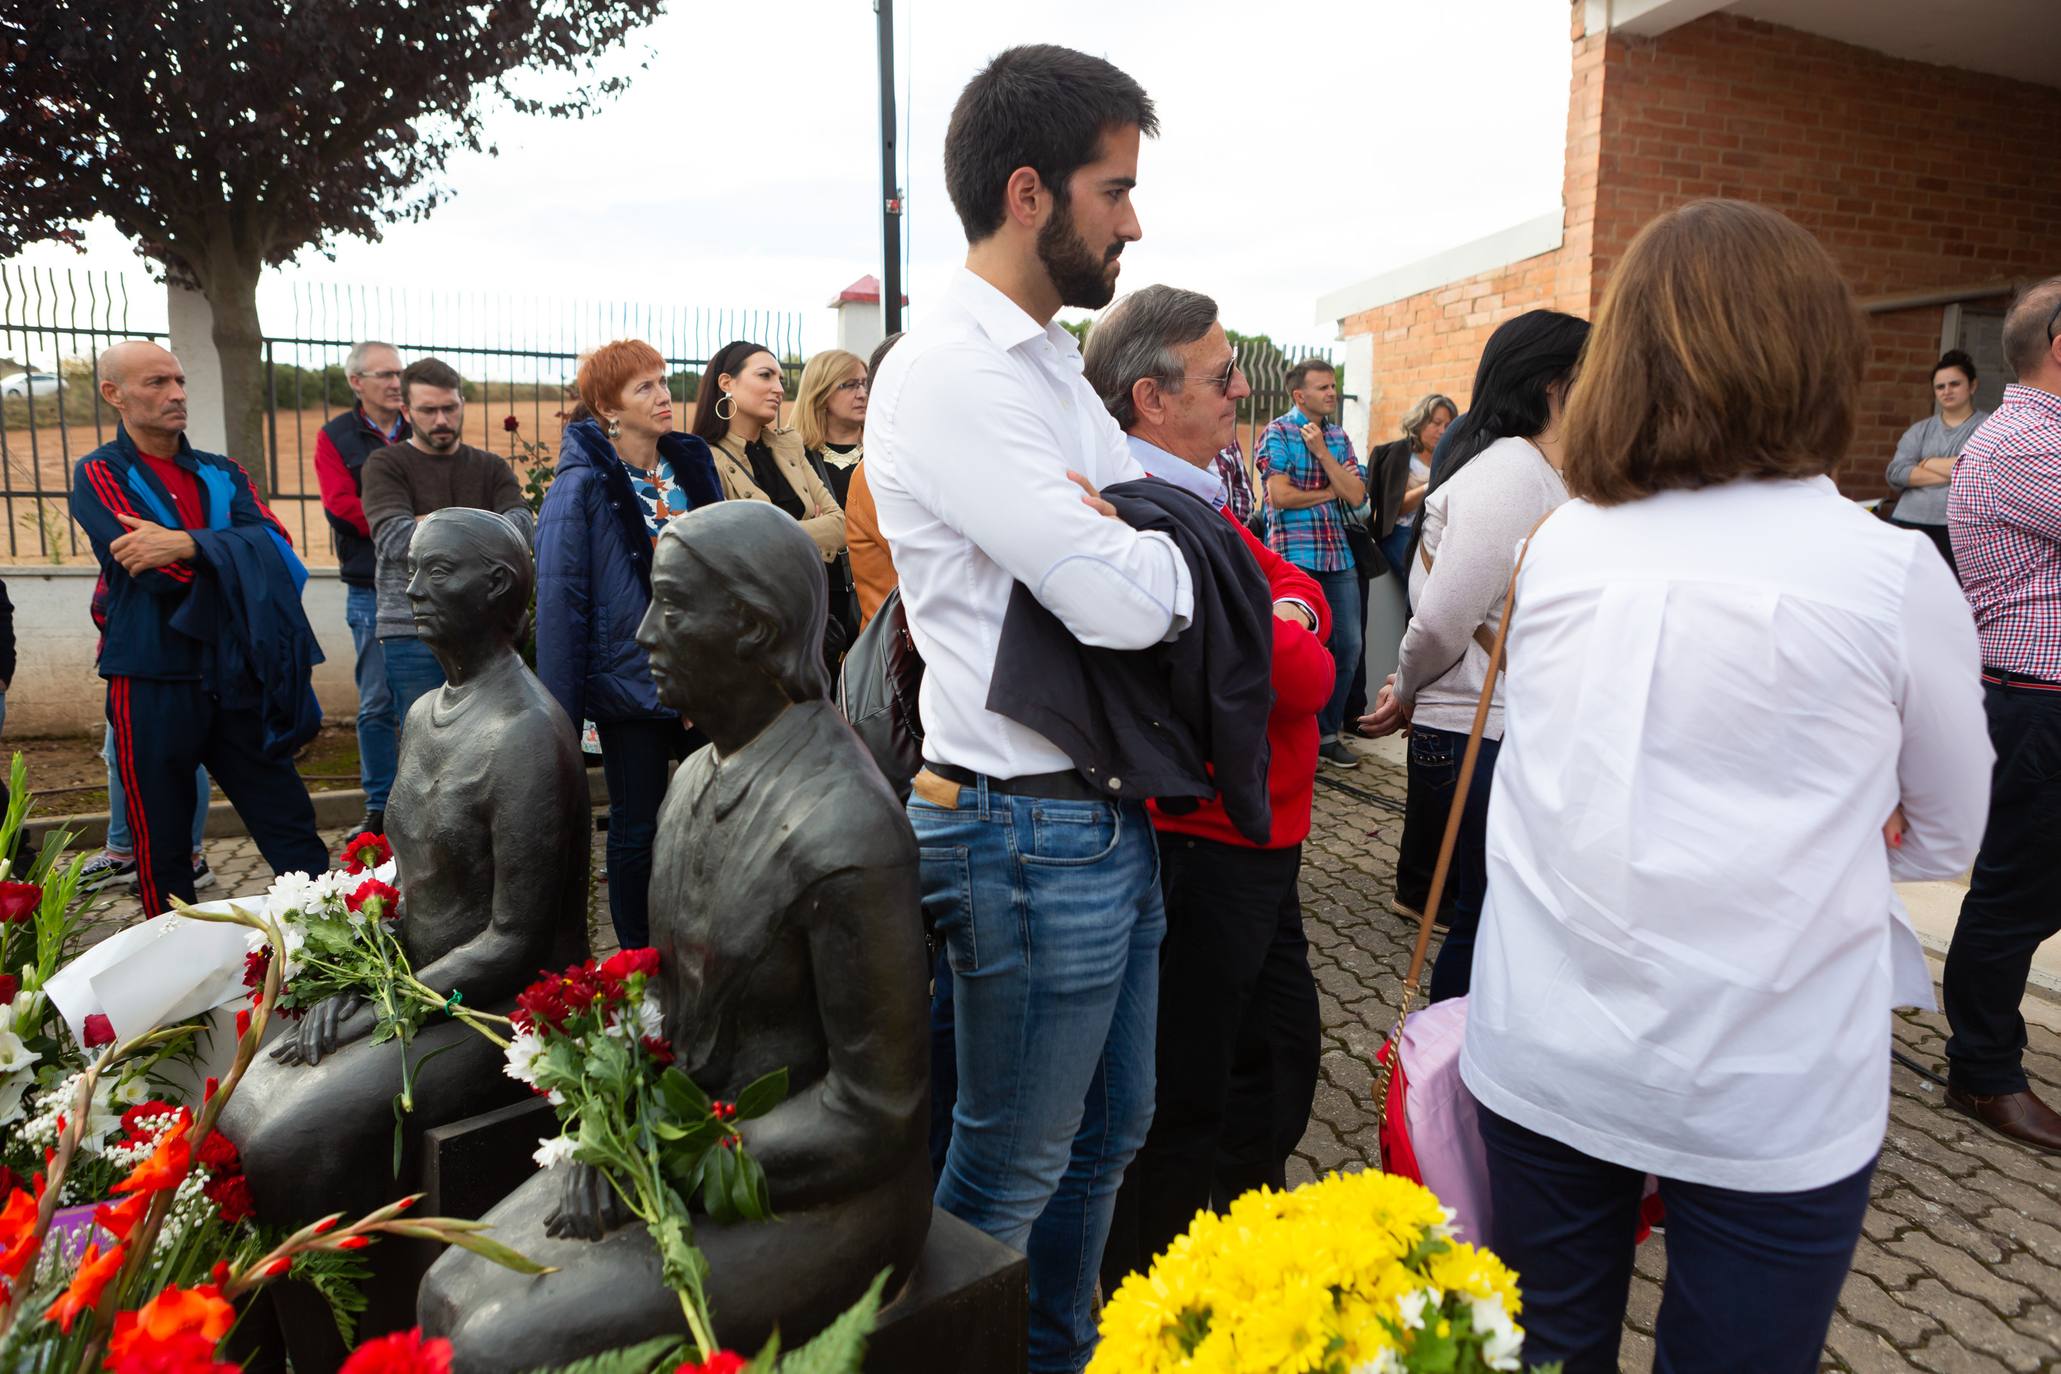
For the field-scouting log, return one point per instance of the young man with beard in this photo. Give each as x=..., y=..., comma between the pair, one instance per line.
x=429, y=471
x=985, y=447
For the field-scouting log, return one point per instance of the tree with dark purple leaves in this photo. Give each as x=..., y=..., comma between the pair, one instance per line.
x=226, y=136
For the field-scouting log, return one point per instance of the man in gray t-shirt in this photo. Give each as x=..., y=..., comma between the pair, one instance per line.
x=427, y=472
x=1924, y=463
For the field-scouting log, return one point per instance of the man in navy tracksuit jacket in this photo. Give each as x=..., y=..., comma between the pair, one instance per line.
x=172, y=528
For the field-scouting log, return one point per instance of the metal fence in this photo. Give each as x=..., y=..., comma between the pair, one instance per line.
x=517, y=353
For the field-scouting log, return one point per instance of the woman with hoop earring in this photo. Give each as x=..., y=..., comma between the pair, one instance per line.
x=738, y=414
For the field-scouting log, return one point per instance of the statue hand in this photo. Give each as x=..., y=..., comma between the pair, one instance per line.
x=588, y=1207
x=331, y=1024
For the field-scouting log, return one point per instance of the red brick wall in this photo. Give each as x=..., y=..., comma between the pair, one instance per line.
x=1916, y=177
x=1431, y=341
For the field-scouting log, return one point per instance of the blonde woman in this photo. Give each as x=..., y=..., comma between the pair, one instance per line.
x=737, y=413
x=830, y=414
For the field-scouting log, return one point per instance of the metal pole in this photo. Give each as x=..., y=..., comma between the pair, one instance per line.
x=890, y=193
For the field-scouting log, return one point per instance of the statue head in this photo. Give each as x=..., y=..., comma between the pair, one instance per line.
x=469, y=579
x=735, y=628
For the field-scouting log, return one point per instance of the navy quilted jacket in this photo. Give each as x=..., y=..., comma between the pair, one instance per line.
x=594, y=573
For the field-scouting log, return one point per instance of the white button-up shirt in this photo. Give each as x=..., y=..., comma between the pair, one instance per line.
x=1690, y=946
x=975, y=419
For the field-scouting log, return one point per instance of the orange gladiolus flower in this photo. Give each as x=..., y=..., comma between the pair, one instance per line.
x=96, y=1271
x=166, y=1167
x=123, y=1217
x=201, y=1311
x=17, y=1233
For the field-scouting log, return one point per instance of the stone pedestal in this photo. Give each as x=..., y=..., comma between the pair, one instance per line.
x=967, y=1307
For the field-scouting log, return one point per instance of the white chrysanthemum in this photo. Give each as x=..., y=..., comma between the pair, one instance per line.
x=522, y=1055
x=651, y=1022
x=1411, y=1307
x=290, y=892
x=556, y=1150
x=1503, y=1340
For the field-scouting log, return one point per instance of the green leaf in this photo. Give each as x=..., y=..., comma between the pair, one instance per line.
x=762, y=1095
x=660, y=1353
x=718, y=1184
x=752, y=1197
x=683, y=1097
x=339, y=1276
x=840, y=1346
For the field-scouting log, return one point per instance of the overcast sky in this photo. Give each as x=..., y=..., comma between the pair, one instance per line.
x=1301, y=149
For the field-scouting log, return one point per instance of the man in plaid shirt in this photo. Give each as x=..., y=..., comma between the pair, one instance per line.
x=1312, y=480
x=2004, y=513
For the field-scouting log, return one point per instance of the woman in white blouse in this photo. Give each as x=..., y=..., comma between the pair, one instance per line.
x=1723, y=678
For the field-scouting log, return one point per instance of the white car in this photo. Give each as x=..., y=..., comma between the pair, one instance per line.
x=23, y=386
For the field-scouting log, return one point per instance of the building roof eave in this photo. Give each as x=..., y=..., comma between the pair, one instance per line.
x=1514, y=243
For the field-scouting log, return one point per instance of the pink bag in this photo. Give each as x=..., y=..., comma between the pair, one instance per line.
x=1429, y=1128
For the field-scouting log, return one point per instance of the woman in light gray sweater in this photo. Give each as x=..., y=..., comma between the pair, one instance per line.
x=1924, y=463
x=1501, y=476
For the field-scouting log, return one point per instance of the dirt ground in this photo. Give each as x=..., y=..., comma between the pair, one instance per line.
x=69, y=778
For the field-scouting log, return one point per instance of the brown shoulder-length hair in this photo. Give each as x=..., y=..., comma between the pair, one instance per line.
x=1727, y=346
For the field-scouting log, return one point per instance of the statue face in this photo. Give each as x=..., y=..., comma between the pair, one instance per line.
x=689, y=633
x=450, y=587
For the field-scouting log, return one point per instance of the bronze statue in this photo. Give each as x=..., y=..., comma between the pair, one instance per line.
x=785, y=909
x=488, y=820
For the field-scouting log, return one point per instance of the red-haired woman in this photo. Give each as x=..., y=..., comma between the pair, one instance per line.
x=623, y=471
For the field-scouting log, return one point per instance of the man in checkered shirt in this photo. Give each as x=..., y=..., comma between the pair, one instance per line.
x=2004, y=512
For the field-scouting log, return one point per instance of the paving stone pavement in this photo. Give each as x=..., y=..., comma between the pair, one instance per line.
x=1959, y=1266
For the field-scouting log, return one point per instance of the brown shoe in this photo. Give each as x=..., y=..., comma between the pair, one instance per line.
x=2020, y=1116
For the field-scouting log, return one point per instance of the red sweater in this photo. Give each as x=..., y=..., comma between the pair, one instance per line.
x=1303, y=676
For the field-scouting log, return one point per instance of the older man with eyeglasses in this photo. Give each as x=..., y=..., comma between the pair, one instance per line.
x=1238, y=1025
x=373, y=370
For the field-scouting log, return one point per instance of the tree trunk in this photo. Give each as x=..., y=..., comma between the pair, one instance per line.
x=232, y=289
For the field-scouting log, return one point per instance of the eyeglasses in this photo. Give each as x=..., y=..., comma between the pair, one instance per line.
x=855, y=384
x=389, y=376
x=1222, y=383
x=2052, y=320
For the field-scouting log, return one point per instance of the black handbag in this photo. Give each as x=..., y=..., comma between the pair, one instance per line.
x=1367, y=559
x=877, y=688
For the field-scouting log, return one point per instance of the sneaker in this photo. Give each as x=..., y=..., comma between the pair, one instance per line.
x=203, y=876
x=104, y=869
x=373, y=824
x=1338, y=754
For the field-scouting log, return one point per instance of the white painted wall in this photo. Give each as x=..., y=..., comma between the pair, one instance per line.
x=57, y=690
x=859, y=327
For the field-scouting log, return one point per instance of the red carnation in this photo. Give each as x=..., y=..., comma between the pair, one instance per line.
x=255, y=966
x=231, y=1196
x=366, y=851
x=658, y=1049
x=511, y=424
x=404, y=1352
x=722, y=1362
x=18, y=902
x=219, y=1154
x=99, y=1031
x=9, y=986
x=136, y=1121
x=375, y=899
x=625, y=962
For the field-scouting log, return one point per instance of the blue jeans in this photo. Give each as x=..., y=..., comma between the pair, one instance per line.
x=379, y=729
x=636, y=759
x=412, y=672
x=119, y=841
x=1435, y=759
x=1752, y=1278
x=1348, y=634
x=1051, y=917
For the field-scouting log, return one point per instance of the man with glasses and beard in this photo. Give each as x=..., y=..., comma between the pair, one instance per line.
x=429, y=471
x=985, y=450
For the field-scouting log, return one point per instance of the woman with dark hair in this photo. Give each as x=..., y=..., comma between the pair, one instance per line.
x=738, y=414
x=1722, y=679
x=1924, y=461
x=623, y=473
x=1501, y=476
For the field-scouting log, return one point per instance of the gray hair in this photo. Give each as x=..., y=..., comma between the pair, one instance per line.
x=1419, y=415
x=2025, y=326
x=354, y=365
x=1141, y=336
